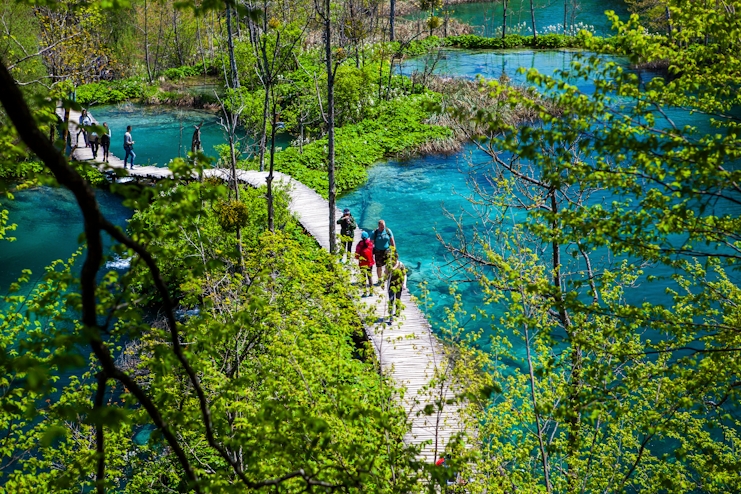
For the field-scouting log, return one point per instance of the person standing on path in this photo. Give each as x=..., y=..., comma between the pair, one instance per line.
x=397, y=284
x=383, y=240
x=84, y=120
x=364, y=255
x=347, y=230
x=105, y=141
x=93, y=140
x=129, y=147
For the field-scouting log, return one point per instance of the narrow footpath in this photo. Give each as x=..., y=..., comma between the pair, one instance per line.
x=407, y=350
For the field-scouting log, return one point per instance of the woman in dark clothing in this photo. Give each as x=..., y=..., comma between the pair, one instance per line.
x=105, y=141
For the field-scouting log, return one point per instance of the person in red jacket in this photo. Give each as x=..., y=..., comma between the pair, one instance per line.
x=364, y=255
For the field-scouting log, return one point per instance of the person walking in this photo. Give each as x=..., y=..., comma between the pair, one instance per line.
x=129, y=147
x=347, y=230
x=397, y=283
x=93, y=140
x=364, y=255
x=105, y=141
x=84, y=120
x=383, y=240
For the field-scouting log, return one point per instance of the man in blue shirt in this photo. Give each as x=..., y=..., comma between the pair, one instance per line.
x=383, y=240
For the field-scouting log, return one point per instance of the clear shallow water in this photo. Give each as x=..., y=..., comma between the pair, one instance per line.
x=162, y=133
x=470, y=64
x=49, y=225
x=411, y=196
x=486, y=17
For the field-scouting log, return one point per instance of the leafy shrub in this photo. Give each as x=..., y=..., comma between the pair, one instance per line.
x=550, y=41
x=418, y=46
x=104, y=92
x=543, y=41
x=209, y=68
x=390, y=128
x=231, y=215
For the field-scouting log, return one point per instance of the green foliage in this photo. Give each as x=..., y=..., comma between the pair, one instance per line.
x=47, y=384
x=543, y=41
x=104, y=92
x=390, y=128
x=209, y=67
x=232, y=215
x=613, y=252
x=417, y=47
x=301, y=397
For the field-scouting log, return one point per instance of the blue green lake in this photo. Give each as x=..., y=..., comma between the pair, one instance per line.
x=162, y=133
x=486, y=17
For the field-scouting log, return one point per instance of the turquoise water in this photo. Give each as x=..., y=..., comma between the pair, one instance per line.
x=49, y=226
x=412, y=197
x=486, y=17
x=162, y=133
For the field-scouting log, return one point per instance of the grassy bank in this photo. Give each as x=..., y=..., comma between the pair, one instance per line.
x=392, y=127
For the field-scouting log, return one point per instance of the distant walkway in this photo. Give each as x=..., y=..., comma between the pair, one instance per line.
x=407, y=351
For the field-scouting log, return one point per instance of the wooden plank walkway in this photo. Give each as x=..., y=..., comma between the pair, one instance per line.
x=407, y=350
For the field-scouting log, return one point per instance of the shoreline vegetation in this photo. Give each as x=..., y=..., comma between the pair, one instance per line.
x=418, y=121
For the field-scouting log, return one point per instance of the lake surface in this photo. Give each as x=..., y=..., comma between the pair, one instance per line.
x=162, y=133
x=412, y=196
x=49, y=226
x=486, y=17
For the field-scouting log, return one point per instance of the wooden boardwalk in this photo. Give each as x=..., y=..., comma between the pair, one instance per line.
x=407, y=350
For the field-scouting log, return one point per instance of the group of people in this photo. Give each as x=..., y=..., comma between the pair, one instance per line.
x=94, y=142
x=376, y=249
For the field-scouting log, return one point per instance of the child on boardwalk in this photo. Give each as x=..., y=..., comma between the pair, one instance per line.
x=397, y=283
x=364, y=255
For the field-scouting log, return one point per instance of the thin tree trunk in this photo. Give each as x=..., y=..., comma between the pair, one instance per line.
x=235, y=182
x=669, y=23
x=533, y=397
x=159, y=37
x=572, y=418
x=178, y=47
x=269, y=195
x=264, y=131
x=504, y=18
x=330, y=122
x=392, y=15
x=146, y=42
x=532, y=19
x=66, y=134
x=565, y=14
x=230, y=41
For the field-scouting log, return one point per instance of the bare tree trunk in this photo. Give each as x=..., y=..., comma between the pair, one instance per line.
x=264, y=131
x=565, y=14
x=230, y=41
x=669, y=23
x=146, y=42
x=269, y=180
x=534, y=398
x=65, y=126
x=159, y=38
x=572, y=419
x=176, y=32
x=504, y=18
x=330, y=122
x=235, y=182
x=392, y=15
x=532, y=19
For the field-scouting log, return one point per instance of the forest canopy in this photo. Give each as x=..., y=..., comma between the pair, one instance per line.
x=232, y=354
